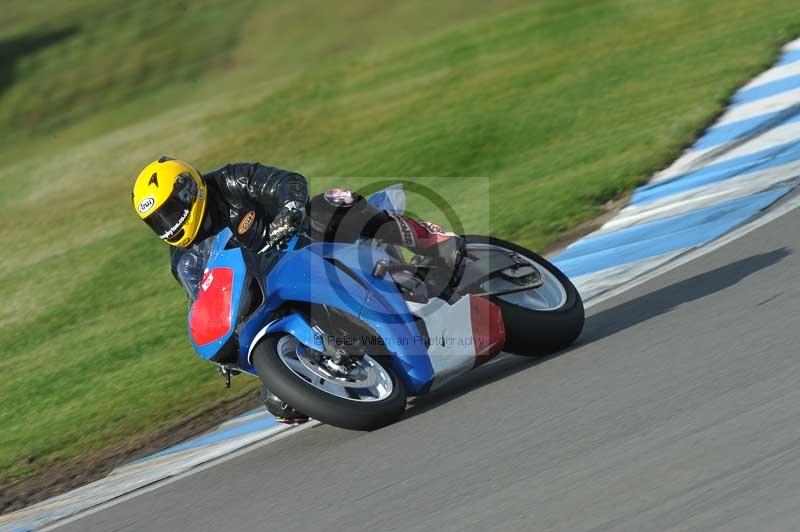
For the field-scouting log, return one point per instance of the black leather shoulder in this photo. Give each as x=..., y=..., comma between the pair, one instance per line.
x=269, y=186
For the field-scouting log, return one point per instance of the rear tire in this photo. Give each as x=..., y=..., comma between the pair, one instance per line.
x=322, y=406
x=537, y=332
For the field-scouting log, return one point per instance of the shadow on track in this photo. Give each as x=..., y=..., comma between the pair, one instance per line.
x=607, y=323
x=499, y=369
x=653, y=304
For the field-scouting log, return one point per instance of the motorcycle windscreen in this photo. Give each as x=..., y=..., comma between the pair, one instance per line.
x=210, y=319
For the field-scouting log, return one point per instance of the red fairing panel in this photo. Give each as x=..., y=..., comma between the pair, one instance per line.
x=210, y=318
x=488, y=330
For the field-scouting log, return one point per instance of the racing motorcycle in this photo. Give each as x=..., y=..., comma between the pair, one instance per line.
x=347, y=332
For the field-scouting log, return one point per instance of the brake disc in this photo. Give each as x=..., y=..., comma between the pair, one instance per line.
x=353, y=375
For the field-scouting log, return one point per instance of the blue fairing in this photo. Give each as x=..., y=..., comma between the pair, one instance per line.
x=336, y=275
x=332, y=274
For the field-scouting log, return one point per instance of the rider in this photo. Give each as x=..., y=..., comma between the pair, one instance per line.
x=259, y=203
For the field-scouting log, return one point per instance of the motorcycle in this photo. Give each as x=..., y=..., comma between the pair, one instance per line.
x=347, y=332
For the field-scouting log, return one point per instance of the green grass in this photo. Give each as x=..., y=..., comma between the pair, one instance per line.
x=561, y=104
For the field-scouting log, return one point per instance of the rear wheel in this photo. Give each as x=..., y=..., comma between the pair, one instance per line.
x=361, y=393
x=540, y=320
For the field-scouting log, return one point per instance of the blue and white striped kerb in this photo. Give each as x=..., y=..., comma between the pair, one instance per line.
x=742, y=165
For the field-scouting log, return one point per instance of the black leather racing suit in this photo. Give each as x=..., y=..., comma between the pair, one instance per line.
x=245, y=197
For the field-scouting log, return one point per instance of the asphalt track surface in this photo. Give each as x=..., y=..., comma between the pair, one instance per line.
x=679, y=409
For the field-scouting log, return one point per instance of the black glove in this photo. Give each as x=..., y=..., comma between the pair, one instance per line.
x=287, y=221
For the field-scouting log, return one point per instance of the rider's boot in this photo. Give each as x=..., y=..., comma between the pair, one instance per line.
x=340, y=215
x=282, y=411
x=444, y=250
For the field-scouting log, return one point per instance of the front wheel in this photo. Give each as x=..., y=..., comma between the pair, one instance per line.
x=540, y=320
x=362, y=394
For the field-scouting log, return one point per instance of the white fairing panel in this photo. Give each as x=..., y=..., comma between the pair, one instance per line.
x=452, y=345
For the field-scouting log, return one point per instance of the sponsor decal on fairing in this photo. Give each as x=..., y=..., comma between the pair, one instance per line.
x=405, y=230
x=207, y=281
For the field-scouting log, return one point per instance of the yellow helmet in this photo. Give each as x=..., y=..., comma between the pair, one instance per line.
x=170, y=196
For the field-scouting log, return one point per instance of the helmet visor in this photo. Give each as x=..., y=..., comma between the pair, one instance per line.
x=167, y=221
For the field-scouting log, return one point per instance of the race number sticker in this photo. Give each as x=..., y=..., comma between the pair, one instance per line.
x=207, y=281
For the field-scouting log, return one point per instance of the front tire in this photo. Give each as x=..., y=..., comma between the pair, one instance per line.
x=301, y=394
x=554, y=324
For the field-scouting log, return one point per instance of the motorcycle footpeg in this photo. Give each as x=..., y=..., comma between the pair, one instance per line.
x=227, y=373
